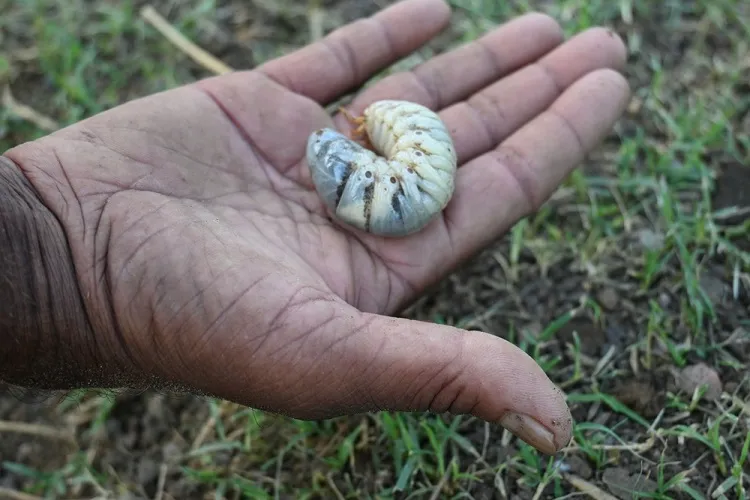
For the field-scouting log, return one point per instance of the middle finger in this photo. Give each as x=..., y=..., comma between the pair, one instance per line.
x=488, y=117
x=454, y=75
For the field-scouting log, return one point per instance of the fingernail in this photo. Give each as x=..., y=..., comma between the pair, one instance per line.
x=531, y=431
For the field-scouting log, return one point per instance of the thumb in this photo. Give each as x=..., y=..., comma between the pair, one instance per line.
x=406, y=365
x=324, y=358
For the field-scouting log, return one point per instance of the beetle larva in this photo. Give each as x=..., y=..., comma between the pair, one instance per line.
x=395, y=194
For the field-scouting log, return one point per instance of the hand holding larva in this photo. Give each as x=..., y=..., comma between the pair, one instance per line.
x=396, y=194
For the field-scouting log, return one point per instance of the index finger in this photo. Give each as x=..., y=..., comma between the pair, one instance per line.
x=350, y=55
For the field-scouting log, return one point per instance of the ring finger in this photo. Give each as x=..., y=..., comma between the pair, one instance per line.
x=499, y=97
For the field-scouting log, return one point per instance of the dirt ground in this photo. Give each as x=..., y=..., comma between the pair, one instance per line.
x=629, y=286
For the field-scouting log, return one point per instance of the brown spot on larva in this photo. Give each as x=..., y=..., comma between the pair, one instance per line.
x=319, y=132
x=410, y=170
x=418, y=132
x=393, y=180
x=368, y=195
x=344, y=180
x=418, y=153
x=368, y=174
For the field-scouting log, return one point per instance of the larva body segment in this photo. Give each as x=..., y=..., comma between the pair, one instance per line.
x=395, y=194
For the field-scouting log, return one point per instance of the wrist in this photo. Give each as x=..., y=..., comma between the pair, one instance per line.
x=43, y=324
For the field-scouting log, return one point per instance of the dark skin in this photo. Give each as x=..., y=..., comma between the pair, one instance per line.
x=202, y=258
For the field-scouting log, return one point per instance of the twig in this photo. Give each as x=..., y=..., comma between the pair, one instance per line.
x=162, y=481
x=633, y=447
x=587, y=488
x=26, y=112
x=332, y=485
x=439, y=487
x=206, y=428
x=315, y=22
x=16, y=495
x=36, y=430
x=24, y=54
x=192, y=50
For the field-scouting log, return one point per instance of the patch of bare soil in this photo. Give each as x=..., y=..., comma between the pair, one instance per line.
x=732, y=192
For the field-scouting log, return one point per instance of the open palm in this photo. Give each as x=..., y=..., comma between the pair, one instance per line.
x=206, y=260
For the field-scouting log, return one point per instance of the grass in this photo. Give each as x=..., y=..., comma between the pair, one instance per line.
x=637, y=269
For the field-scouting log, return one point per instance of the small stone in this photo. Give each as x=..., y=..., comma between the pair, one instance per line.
x=171, y=452
x=148, y=470
x=591, y=337
x=624, y=485
x=608, y=298
x=665, y=300
x=694, y=376
x=714, y=286
x=640, y=395
x=579, y=466
x=650, y=240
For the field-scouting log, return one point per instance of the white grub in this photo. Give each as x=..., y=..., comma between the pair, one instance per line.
x=398, y=191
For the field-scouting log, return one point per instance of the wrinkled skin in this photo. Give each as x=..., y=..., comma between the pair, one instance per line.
x=206, y=260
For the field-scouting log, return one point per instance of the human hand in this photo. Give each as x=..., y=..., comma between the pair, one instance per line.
x=205, y=259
